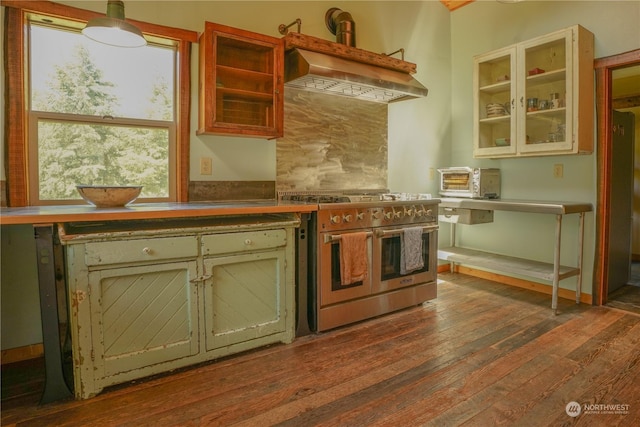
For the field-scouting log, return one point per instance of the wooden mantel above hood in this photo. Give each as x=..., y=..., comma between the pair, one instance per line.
x=314, y=44
x=324, y=66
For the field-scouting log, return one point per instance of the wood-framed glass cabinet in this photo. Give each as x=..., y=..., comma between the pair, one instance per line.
x=241, y=89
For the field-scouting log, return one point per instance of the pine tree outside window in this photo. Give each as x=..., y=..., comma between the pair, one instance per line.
x=98, y=115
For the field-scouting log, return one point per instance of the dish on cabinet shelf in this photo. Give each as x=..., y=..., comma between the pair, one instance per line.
x=497, y=110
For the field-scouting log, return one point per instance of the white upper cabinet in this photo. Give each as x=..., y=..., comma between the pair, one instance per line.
x=535, y=98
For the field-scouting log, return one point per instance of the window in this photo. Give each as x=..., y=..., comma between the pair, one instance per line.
x=96, y=114
x=99, y=115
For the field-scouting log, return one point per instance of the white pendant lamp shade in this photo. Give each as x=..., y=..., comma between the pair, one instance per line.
x=113, y=30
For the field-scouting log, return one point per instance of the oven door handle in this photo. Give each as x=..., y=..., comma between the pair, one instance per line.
x=382, y=233
x=328, y=238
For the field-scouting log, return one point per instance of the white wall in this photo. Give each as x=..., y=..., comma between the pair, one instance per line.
x=487, y=25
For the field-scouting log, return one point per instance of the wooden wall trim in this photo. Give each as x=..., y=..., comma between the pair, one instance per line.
x=455, y=4
x=184, y=121
x=604, y=70
x=19, y=354
x=15, y=109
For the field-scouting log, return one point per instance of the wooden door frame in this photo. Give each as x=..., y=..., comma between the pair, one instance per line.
x=603, y=72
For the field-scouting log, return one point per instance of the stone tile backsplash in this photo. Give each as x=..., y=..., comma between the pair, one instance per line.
x=331, y=143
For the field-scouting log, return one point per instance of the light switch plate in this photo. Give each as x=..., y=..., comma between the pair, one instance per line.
x=558, y=170
x=206, y=166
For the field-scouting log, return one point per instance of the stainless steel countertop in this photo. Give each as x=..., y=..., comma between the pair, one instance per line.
x=532, y=206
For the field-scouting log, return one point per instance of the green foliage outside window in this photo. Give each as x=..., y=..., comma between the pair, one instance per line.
x=77, y=145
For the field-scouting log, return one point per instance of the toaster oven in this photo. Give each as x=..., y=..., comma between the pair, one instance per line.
x=474, y=183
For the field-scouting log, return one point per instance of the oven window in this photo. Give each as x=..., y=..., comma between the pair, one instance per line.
x=455, y=181
x=390, y=262
x=336, y=282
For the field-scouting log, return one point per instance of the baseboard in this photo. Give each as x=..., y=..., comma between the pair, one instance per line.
x=18, y=354
x=520, y=283
x=444, y=268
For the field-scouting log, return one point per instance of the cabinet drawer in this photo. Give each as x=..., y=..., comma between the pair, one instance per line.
x=215, y=244
x=465, y=216
x=126, y=251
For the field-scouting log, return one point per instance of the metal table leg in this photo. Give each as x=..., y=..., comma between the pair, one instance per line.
x=580, y=258
x=452, y=265
x=556, y=265
x=55, y=387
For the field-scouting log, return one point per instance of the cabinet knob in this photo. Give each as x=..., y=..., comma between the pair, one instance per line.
x=248, y=242
x=147, y=251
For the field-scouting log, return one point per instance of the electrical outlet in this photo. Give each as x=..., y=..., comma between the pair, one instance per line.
x=558, y=170
x=206, y=167
x=432, y=174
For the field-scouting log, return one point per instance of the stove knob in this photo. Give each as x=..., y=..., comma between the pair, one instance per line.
x=388, y=215
x=347, y=218
x=421, y=212
x=336, y=219
x=398, y=214
x=359, y=216
x=410, y=211
x=375, y=214
x=429, y=212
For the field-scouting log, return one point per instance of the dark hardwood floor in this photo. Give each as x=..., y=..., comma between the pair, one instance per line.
x=481, y=354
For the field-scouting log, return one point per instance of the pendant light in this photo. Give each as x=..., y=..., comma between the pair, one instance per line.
x=112, y=29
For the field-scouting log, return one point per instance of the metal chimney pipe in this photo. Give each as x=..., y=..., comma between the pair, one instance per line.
x=341, y=25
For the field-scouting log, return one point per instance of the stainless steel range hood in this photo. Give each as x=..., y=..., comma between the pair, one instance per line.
x=320, y=72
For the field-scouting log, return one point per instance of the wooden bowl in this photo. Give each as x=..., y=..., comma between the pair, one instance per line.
x=107, y=196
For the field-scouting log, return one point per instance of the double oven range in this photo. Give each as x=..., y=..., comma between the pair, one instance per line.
x=382, y=220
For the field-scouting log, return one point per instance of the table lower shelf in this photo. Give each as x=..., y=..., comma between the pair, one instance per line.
x=504, y=263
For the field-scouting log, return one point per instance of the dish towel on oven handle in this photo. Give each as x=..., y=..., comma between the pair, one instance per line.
x=354, y=258
x=411, y=250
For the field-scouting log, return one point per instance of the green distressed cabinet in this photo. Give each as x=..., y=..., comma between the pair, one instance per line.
x=151, y=297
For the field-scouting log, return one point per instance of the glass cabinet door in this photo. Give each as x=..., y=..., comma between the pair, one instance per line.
x=241, y=83
x=494, y=112
x=545, y=85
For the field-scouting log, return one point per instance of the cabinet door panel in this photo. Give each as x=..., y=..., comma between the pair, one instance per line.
x=244, y=299
x=545, y=129
x=494, y=103
x=143, y=315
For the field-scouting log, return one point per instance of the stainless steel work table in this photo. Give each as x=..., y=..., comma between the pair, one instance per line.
x=545, y=271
